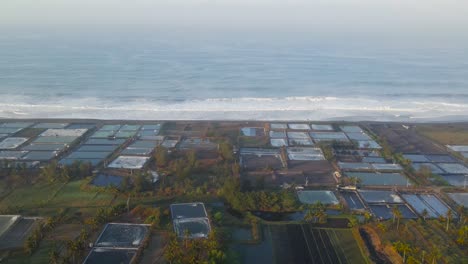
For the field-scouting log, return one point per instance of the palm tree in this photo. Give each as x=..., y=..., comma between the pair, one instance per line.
x=424, y=214
x=461, y=214
x=353, y=222
x=402, y=247
x=434, y=255
x=405, y=248
x=396, y=215
x=448, y=215
x=54, y=256
x=367, y=216
x=355, y=180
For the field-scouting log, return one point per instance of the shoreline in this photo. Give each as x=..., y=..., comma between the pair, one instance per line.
x=147, y=121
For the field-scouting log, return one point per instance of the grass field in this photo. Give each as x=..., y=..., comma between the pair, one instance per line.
x=71, y=195
x=305, y=244
x=302, y=243
x=40, y=256
x=446, y=135
x=254, y=142
x=30, y=197
x=55, y=196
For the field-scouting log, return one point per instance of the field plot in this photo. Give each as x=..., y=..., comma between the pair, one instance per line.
x=384, y=211
x=55, y=140
x=278, y=142
x=358, y=136
x=256, y=253
x=12, y=154
x=371, y=196
x=194, y=227
x=298, y=135
x=316, y=172
x=64, y=132
x=458, y=148
x=17, y=124
x=373, y=160
x=416, y=158
x=405, y=140
x=149, y=135
x=97, y=148
x=441, y=158
x=15, y=236
x=6, y=131
x=191, y=218
x=30, y=196
x=103, y=134
x=12, y=142
x=197, y=143
x=453, y=168
x=460, y=198
x=355, y=166
x=351, y=129
x=188, y=210
x=277, y=134
x=453, y=134
x=40, y=155
x=72, y=196
x=455, y=180
x=386, y=167
x=257, y=159
x=102, y=141
x=434, y=169
x=51, y=125
x=122, y=235
x=110, y=127
x=368, y=144
x=45, y=147
x=298, y=153
x=81, y=125
x=387, y=179
x=299, y=126
x=311, y=197
x=110, y=256
x=321, y=127
x=353, y=200
x=103, y=180
x=426, y=202
x=329, y=136
x=305, y=244
x=128, y=162
x=253, y=131
x=6, y=221
x=278, y=126
x=169, y=143
x=68, y=162
x=125, y=134
x=301, y=142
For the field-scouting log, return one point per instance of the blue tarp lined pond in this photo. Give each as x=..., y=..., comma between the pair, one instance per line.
x=103, y=180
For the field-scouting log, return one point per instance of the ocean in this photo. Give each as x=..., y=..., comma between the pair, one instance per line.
x=152, y=75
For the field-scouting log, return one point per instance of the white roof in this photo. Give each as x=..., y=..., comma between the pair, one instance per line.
x=12, y=142
x=63, y=132
x=128, y=162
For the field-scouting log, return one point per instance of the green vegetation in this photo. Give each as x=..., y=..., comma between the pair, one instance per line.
x=75, y=211
x=446, y=134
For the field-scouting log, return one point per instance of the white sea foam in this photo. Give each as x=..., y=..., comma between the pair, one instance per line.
x=245, y=108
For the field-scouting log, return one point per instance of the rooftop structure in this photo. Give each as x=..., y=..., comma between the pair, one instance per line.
x=190, y=219
x=128, y=162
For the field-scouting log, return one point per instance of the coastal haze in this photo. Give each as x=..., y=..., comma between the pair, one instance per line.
x=326, y=60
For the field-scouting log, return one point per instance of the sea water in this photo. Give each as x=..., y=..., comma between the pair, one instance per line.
x=154, y=75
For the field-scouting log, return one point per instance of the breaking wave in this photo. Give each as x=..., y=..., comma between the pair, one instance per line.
x=244, y=108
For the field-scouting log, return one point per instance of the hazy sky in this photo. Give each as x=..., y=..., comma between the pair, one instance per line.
x=417, y=15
